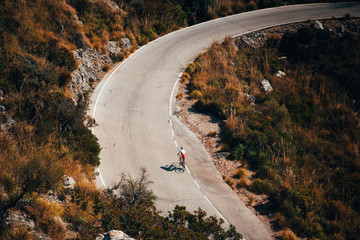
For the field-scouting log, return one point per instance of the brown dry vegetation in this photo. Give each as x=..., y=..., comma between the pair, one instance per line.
x=49, y=139
x=302, y=138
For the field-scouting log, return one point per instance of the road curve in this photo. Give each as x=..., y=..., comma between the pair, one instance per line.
x=132, y=107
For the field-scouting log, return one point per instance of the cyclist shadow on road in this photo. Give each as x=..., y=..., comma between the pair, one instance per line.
x=175, y=166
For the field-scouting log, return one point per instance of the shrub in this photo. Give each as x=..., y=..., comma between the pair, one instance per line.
x=179, y=95
x=224, y=147
x=190, y=69
x=229, y=182
x=106, y=67
x=185, y=77
x=240, y=173
x=239, y=152
x=117, y=57
x=196, y=94
x=241, y=184
x=287, y=234
x=212, y=134
x=261, y=186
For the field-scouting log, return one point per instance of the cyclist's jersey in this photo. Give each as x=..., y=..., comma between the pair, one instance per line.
x=182, y=152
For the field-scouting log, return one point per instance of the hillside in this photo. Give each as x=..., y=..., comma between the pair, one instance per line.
x=298, y=141
x=43, y=138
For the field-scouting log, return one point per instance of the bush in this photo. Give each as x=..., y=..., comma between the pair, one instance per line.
x=240, y=173
x=229, y=182
x=261, y=186
x=241, y=184
x=191, y=68
x=287, y=234
x=185, y=77
x=196, y=94
x=239, y=152
x=212, y=134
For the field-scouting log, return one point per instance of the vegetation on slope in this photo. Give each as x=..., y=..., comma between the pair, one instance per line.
x=46, y=137
x=303, y=138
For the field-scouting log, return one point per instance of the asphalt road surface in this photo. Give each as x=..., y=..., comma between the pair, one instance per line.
x=133, y=105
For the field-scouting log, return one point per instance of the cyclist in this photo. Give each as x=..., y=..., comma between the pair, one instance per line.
x=181, y=153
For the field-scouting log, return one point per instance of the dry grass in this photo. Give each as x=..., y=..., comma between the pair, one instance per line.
x=287, y=234
x=223, y=76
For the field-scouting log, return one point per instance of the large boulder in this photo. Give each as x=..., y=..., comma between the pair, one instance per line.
x=318, y=25
x=113, y=48
x=125, y=43
x=266, y=86
x=114, y=235
x=69, y=182
x=280, y=74
x=7, y=125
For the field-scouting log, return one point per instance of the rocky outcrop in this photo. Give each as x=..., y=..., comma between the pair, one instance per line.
x=266, y=86
x=125, y=43
x=280, y=74
x=69, y=182
x=114, y=235
x=112, y=4
x=92, y=65
x=7, y=124
x=6, y=121
x=113, y=48
x=318, y=25
x=90, y=70
x=19, y=218
x=259, y=39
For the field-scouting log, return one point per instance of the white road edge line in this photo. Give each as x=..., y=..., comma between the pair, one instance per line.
x=188, y=170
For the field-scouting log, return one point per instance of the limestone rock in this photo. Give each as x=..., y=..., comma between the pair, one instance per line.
x=7, y=125
x=89, y=71
x=21, y=218
x=69, y=182
x=280, y=74
x=222, y=154
x=250, y=97
x=318, y=25
x=112, y=4
x=114, y=235
x=80, y=41
x=177, y=109
x=266, y=86
x=113, y=48
x=125, y=43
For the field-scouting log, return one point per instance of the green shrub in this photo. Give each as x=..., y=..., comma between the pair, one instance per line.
x=191, y=68
x=241, y=184
x=212, y=134
x=229, y=182
x=287, y=234
x=196, y=94
x=240, y=173
x=239, y=152
x=261, y=186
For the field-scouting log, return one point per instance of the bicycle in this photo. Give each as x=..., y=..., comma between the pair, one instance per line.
x=182, y=162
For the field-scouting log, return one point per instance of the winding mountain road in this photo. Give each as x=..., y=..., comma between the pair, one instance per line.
x=133, y=109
